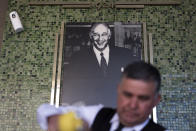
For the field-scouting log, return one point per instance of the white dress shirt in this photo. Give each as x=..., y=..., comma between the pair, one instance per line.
x=105, y=52
x=115, y=122
x=88, y=113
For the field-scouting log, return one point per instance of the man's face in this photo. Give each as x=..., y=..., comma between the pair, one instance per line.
x=136, y=98
x=100, y=36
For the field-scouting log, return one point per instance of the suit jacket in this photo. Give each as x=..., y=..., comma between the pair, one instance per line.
x=84, y=63
x=102, y=122
x=84, y=81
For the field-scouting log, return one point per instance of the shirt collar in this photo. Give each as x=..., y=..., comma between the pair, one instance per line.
x=105, y=52
x=115, y=121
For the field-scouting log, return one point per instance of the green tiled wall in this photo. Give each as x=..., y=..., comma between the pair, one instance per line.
x=26, y=59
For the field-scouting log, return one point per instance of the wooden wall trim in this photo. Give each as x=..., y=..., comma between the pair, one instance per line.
x=52, y=96
x=3, y=9
x=57, y=101
x=105, y=4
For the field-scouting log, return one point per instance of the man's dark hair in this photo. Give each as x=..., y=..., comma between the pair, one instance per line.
x=143, y=71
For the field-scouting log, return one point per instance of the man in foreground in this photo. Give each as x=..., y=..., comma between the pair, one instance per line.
x=138, y=93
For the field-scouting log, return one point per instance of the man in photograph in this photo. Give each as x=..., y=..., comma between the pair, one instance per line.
x=95, y=71
x=138, y=92
x=101, y=59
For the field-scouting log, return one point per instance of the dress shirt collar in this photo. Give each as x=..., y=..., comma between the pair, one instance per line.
x=105, y=53
x=115, y=121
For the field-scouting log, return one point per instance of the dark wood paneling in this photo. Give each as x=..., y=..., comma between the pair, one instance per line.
x=3, y=9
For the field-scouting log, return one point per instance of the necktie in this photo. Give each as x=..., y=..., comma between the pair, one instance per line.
x=103, y=65
x=120, y=126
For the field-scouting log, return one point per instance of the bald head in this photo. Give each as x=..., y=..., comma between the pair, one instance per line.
x=100, y=34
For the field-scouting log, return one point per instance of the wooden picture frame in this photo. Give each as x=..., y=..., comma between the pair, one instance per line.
x=76, y=38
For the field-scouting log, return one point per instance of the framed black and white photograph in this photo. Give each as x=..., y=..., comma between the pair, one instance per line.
x=94, y=55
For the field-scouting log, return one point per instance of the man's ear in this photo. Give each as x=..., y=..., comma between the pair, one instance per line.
x=109, y=33
x=90, y=35
x=157, y=99
x=118, y=88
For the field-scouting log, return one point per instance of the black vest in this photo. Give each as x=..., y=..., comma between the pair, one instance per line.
x=102, y=122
